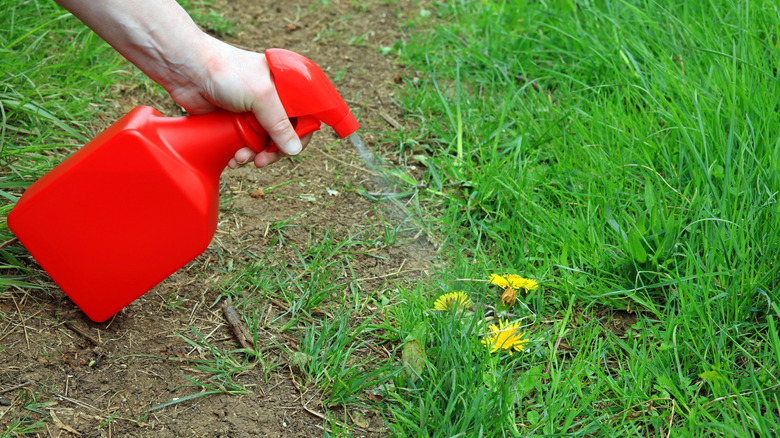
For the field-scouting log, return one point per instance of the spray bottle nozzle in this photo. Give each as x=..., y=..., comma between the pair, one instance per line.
x=304, y=90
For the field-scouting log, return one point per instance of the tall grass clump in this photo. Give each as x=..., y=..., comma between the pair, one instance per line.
x=625, y=155
x=56, y=78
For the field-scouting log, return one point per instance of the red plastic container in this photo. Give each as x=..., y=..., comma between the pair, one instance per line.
x=140, y=201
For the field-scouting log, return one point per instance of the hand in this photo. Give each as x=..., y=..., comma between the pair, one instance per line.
x=222, y=76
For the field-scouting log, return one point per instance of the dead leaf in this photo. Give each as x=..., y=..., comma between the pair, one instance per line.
x=413, y=357
x=509, y=297
x=359, y=419
x=374, y=397
x=257, y=193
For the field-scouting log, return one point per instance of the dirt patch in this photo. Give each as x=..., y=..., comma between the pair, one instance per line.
x=136, y=374
x=615, y=320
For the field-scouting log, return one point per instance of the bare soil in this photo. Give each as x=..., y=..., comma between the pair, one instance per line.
x=88, y=379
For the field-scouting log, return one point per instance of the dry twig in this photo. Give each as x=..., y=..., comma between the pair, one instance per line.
x=389, y=119
x=83, y=334
x=239, y=329
x=15, y=387
x=9, y=242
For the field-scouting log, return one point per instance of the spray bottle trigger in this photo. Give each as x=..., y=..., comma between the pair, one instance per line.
x=303, y=125
x=306, y=125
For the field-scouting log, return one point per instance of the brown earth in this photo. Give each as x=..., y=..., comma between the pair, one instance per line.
x=88, y=379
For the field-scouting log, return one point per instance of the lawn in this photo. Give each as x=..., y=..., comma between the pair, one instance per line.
x=624, y=155
x=599, y=179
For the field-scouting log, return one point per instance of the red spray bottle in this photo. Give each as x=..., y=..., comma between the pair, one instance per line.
x=140, y=201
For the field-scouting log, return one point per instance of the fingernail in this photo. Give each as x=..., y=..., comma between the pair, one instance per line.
x=293, y=147
x=243, y=157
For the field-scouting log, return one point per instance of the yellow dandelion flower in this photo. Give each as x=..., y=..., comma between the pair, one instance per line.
x=452, y=301
x=505, y=337
x=514, y=281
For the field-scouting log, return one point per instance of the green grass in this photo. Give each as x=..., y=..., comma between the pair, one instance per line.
x=624, y=154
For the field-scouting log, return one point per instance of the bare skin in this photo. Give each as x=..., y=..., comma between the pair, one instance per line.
x=201, y=73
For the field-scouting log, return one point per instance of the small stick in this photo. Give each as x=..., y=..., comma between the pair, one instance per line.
x=640, y=404
x=671, y=418
x=388, y=194
x=279, y=304
x=24, y=326
x=340, y=424
x=397, y=272
x=62, y=425
x=83, y=334
x=76, y=402
x=239, y=329
x=389, y=119
x=318, y=415
x=9, y=242
x=331, y=157
x=313, y=412
x=15, y=387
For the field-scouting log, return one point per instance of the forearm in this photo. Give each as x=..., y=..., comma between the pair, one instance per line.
x=201, y=73
x=158, y=36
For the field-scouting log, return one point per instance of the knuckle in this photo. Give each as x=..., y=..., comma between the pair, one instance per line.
x=279, y=128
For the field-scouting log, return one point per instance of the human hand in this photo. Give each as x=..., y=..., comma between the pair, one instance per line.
x=218, y=76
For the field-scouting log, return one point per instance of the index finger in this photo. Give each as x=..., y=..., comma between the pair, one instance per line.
x=273, y=118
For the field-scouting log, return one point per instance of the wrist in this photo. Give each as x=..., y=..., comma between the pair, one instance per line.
x=170, y=52
x=180, y=62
